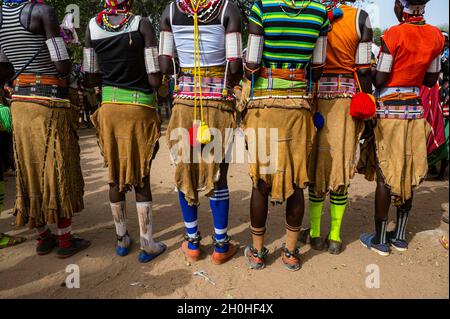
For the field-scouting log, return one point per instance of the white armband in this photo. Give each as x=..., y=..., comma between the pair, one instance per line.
x=166, y=43
x=320, y=51
x=90, y=61
x=364, y=53
x=254, y=49
x=435, y=66
x=233, y=45
x=58, y=50
x=151, y=60
x=385, y=62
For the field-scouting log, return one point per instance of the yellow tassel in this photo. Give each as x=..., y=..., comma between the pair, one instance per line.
x=224, y=92
x=203, y=133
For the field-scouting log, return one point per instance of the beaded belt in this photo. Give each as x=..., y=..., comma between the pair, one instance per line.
x=116, y=95
x=281, y=84
x=46, y=86
x=333, y=86
x=284, y=74
x=411, y=109
x=42, y=90
x=212, y=88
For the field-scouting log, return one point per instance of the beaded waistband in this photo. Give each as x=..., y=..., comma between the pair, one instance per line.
x=116, y=95
x=45, y=86
x=284, y=74
x=336, y=86
x=213, y=88
x=400, y=109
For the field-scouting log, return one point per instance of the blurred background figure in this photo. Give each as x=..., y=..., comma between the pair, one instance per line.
x=439, y=139
x=68, y=31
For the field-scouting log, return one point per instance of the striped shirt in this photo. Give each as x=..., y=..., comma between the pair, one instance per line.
x=289, y=37
x=19, y=45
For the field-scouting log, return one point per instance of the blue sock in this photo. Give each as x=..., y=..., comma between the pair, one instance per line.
x=190, y=217
x=220, y=205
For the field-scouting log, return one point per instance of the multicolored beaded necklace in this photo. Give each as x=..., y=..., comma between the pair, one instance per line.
x=108, y=26
x=208, y=10
x=103, y=17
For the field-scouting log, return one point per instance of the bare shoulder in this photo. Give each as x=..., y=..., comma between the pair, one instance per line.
x=233, y=8
x=165, y=24
x=233, y=13
x=45, y=10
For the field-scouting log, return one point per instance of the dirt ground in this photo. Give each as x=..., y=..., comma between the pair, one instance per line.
x=421, y=272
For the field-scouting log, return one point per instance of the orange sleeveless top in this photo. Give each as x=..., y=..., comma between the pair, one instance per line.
x=343, y=42
x=413, y=47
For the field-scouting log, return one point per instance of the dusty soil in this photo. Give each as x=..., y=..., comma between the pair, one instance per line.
x=421, y=272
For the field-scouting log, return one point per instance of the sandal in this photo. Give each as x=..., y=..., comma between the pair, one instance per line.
x=291, y=259
x=7, y=241
x=256, y=260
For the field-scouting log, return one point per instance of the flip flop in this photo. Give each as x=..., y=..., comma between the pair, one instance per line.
x=7, y=241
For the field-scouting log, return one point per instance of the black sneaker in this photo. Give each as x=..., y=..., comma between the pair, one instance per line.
x=45, y=245
x=317, y=243
x=334, y=247
x=77, y=245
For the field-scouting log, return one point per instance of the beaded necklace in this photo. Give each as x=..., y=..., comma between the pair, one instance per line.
x=292, y=6
x=410, y=19
x=207, y=11
x=108, y=26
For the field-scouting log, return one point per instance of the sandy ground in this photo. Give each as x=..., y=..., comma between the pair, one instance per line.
x=421, y=272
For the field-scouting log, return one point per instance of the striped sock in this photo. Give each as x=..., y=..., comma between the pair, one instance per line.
x=315, y=213
x=190, y=217
x=380, y=231
x=338, y=204
x=402, y=221
x=220, y=205
x=63, y=231
x=2, y=194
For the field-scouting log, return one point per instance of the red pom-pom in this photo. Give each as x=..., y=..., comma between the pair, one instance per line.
x=330, y=15
x=100, y=17
x=363, y=106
